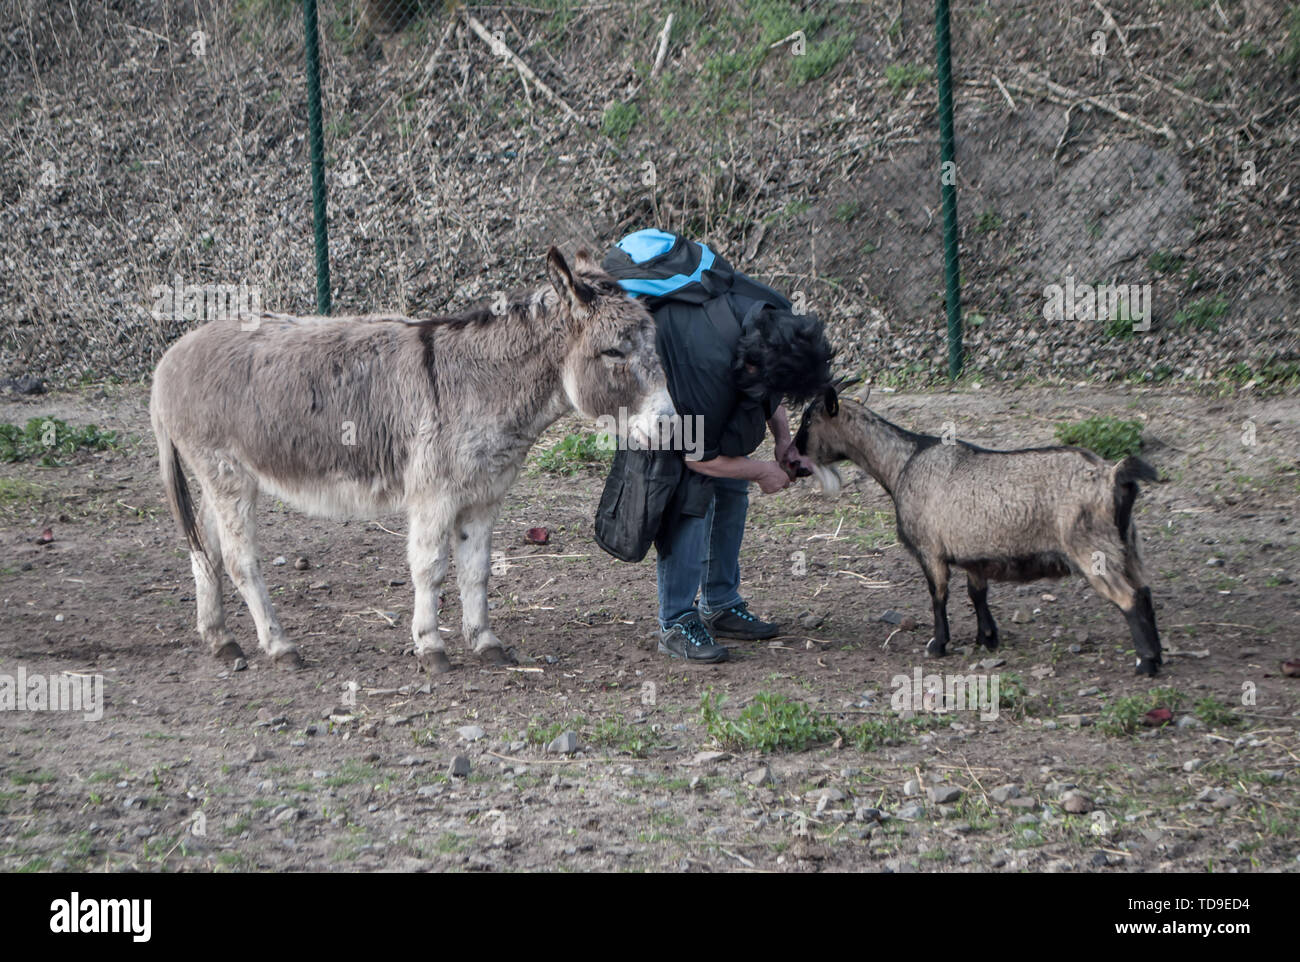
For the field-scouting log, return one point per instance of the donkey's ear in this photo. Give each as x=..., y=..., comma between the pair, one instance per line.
x=571, y=290
x=832, y=402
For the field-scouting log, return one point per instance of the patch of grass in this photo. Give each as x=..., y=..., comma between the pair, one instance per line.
x=1215, y=713
x=1107, y=436
x=1290, y=55
x=636, y=740
x=769, y=723
x=847, y=211
x=988, y=222
x=1123, y=716
x=870, y=735
x=574, y=453
x=539, y=734
x=32, y=778
x=820, y=58
x=1164, y=262
x=902, y=76
x=619, y=119
x=351, y=772
x=1202, y=314
x=46, y=439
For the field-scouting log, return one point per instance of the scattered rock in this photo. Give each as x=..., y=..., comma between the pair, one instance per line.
x=256, y=754
x=988, y=664
x=911, y=787
x=280, y=560
x=809, y=620
x=891, y=617
x=302, y=564
x=1004, y=793
x=759, y=776
x=1076, y=803
x=1192, y=764
x=471, y=733
x=1088, y=692
x=709, y=758
x=565, y=744
x=912, y=812
x=943, y=794
x=1189, y=721
x=459, y=767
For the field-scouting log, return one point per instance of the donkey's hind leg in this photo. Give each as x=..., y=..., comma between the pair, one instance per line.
x=428, y=550
x=234, y=504
x=207, y=582
x=473, y=564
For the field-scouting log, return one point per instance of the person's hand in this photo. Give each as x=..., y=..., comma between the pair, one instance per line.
x=772, y=478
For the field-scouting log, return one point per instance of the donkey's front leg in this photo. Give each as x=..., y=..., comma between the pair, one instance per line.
x=428, y=550
x=473, y=564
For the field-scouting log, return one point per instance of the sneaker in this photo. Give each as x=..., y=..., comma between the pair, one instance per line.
x=689, y=639
x=737, y=622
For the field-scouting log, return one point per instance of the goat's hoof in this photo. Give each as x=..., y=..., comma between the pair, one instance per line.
x=496, y=657
x=1147, y=666
x=289, y=660
x=229, y=653
x=936, y=649
x=434, y=662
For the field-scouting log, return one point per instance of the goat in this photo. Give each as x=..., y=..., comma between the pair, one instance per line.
x=999, y=515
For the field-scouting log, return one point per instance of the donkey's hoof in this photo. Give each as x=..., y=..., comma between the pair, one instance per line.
x=496, y=657
x=434, y=662
x=289, y=660
x=988, y=641
x=229, y=654
x=935, y=649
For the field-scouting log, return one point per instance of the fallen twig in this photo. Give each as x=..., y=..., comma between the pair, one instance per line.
x=500, y=49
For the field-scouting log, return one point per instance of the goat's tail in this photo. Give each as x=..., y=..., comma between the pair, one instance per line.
x=178, y=490
x=1124, y=479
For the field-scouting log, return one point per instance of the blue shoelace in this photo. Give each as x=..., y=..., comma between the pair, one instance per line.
x=742, y=611
x=696, y=633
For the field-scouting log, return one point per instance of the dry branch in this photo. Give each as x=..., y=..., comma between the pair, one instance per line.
x=499, y=49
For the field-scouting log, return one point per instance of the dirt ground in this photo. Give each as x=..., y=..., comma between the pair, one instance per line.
x=344, y=765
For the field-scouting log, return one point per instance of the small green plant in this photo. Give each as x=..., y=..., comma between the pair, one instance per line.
x=574, y=453
x=901, y=76
x=1164, y=262
x=769, y=723
x=989, y=222
x=619, y=120
x=1215, y=713
x=1202, y=315
x=1290, y=56
x=45, y=439
x=820, y=58
x=637, y=740
x=847, y=211
x=1123, y=716
x=1109, y=437
x=872, y=734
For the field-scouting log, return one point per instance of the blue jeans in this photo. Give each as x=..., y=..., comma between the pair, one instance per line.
x=704, y=555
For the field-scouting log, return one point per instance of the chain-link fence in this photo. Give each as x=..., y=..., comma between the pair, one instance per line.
x=1120, y=170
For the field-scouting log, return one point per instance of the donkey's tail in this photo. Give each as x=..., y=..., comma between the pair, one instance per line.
x=178, y=490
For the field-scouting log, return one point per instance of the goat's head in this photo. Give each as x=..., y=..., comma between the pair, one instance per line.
x=611, y=361
x=820, y=438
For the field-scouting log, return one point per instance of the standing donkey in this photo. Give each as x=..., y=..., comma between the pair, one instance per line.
x=356, y=417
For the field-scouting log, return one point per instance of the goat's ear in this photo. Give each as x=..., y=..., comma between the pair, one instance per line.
x=832, y=402
x=571, y=290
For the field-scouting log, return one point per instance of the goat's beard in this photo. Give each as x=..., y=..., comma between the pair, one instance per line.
x=829, y=479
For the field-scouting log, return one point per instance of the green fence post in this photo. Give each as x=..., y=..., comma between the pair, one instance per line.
x=317, y=138
x=948, y=188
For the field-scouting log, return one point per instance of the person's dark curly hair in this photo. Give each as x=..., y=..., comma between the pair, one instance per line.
x=788, y=354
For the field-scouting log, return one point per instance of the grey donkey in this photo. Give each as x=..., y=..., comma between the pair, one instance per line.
x=999, y=515
x=357, y=417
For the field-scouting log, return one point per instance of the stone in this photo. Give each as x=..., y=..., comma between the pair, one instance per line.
x=912, y=811
x=943, y=794
x=911, y=787
x=759, y=777
x=459, y=767
x=302, y=564
x=565, y=744
x=471, y=733
x=1192, y=764
x=809, y=620
x=709, y=758
x=1004, y=793
x=1076, y=803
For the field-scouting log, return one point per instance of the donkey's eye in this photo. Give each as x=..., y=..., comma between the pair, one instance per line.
x=613, y=352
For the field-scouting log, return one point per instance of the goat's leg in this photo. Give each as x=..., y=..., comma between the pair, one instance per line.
x=986, y=631
x=207, y=589
x=234, y=508
x=1142, y=624
x=428, y=551
x=1106, y=570
x=473, y=564
x=936, y=576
